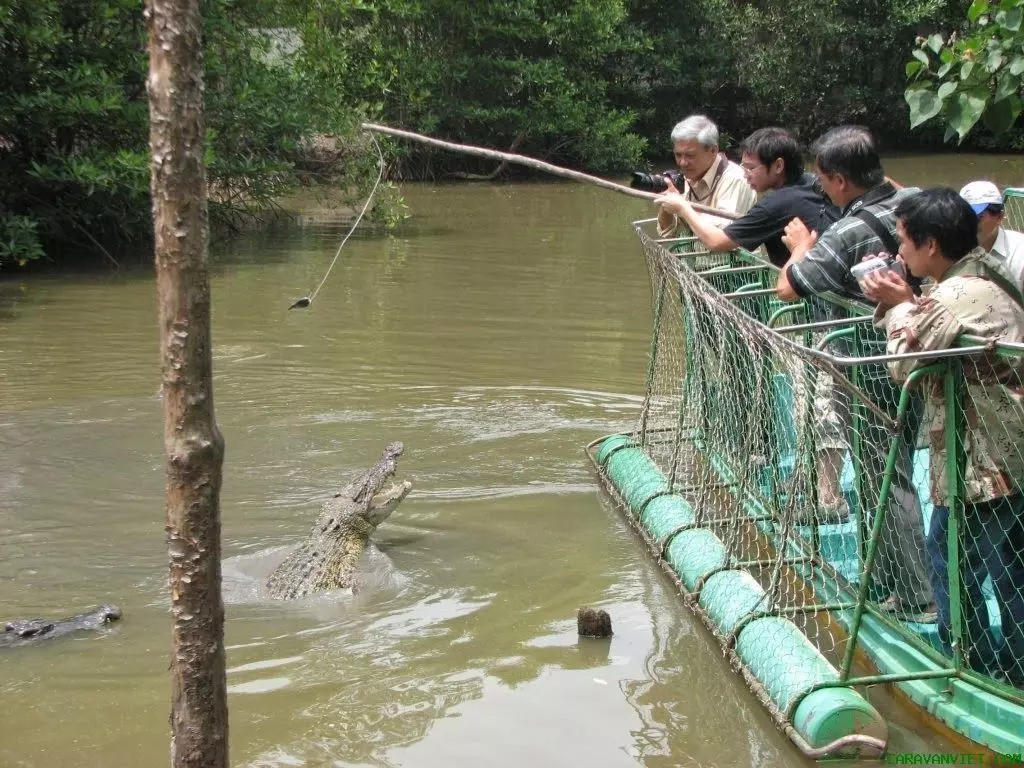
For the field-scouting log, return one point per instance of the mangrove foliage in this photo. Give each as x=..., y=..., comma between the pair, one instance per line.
x=592, y=84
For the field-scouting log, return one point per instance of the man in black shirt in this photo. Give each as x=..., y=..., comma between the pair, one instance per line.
x=773, y=164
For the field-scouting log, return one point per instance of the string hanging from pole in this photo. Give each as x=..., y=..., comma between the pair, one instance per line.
x=305, y=301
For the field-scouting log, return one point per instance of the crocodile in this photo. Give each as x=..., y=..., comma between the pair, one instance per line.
x=24, y=631
x=328, y=559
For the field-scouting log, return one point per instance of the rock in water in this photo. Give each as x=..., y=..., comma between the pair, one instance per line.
x=593, y=622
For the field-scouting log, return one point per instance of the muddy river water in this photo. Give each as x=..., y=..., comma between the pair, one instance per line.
x=499, y=331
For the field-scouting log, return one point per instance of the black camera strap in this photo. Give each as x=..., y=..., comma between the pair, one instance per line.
x=880, y=230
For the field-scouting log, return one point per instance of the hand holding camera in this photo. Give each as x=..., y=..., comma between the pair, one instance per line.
x=671, y=200
x=882, y=278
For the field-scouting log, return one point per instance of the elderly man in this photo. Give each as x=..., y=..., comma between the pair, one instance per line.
x=774, y=166
x=711, y=178
x=971, y=295
x=850, y=171
x=1004, y=244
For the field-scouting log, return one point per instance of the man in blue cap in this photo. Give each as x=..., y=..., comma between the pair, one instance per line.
x=1004, y=244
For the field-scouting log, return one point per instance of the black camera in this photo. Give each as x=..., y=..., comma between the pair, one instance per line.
x=656, y=182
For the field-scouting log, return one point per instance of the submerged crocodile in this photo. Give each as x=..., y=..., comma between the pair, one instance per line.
x=23, y=631
x=328, y=559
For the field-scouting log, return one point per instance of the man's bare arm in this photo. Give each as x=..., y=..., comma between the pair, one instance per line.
x=799, y=240
x=712, y=236
x=673, y=204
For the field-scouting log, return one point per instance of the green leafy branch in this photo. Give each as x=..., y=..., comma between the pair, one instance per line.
x=961, y=80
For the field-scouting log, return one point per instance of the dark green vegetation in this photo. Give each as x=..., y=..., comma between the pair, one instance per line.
x=594, y=84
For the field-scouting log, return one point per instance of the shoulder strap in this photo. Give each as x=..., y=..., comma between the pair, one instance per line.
x=880, y=230
x=983, y=268
x=723, y=162
x=719, y=172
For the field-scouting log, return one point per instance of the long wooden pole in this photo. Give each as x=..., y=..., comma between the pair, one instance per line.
x=539, y=165
x=193, y=445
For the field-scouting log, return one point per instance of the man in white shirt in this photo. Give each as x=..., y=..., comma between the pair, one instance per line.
x=1004, y=244
x=711, y=178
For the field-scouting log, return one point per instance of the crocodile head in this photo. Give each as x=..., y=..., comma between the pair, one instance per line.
x=375, y=501
x=384, y=502
x=367, y=501
x=108, y=613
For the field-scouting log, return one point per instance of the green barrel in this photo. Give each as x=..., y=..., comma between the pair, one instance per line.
x=778, y=654
x=665, y=514
x=771, y=647
x=636, y=477
x=831, y=713
x=695, y=553
x=609, y=444
x=728, y=596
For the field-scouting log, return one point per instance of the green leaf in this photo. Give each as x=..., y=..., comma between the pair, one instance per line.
x=1011, y=19
x=977, y=8
x=935, y=43
x=966, y=69
x=924, y=105
x=944, y=70
x=913, y=67
x=1017, y=65
x=994, y=61
x=965, y=110
x=921, y=56
x=946, y=90
x=1001, y=116
x=1006, y=85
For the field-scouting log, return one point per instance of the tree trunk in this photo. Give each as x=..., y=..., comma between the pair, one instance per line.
x=193, y=444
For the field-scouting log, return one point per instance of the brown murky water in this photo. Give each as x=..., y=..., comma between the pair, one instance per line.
x=503, y=329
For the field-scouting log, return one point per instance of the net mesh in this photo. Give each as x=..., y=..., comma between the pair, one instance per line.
x=981, y=601
x=1013, y=203
x=807, y=476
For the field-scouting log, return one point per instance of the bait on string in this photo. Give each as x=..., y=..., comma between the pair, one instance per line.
x=305, y=301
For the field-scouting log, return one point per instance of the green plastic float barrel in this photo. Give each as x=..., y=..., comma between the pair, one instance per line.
x=636, y=477
x=783, y=659
x=729, y=596
x=775, y=652
x=664, y=514
x=694, y=554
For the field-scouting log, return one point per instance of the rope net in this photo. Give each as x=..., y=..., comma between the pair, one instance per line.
x=809, y=477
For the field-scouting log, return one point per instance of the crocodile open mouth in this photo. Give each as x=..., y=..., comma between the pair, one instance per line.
x=385, y=501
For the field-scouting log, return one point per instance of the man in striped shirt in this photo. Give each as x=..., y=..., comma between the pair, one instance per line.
x=850, y=171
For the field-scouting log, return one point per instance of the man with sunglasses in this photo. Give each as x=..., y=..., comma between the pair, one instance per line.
x=1004, y=244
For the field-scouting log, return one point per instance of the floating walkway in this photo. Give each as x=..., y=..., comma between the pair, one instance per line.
x=754, y=410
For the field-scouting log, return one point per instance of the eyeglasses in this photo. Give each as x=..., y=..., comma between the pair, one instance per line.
x=749, y=168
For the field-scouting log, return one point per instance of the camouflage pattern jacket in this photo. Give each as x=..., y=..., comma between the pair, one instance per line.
x=968, y=300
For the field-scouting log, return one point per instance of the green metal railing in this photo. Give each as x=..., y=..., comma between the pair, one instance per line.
x=733, y=393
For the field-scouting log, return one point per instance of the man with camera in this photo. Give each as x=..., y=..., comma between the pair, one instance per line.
x=772, y=163
x=707, y=175
x=850, y=171
x=970, y=294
